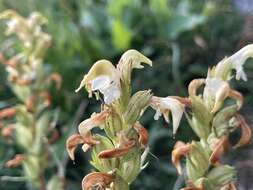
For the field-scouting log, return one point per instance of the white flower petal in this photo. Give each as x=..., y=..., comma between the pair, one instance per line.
x=111, y=94
x=164, y=106
x=177, y=110
x=100, y=83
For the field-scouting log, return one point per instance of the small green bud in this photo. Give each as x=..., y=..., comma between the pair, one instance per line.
x=136, y=106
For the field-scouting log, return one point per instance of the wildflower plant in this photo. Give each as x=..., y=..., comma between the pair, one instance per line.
x=118, y=155
x=213, y=116
x=28, y=123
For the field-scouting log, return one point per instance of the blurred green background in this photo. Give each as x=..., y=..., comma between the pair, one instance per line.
x=182, y=37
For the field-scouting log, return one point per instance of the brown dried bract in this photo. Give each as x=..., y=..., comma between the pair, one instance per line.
x=246, y=131
x=194, y=85
x=74, y=140
x=191, y=186
x=230, y=186
x=8, y=131
x=182, y=100
x=124, y=147
x=97, y=179
x=7, y=113
x=221, y=146
x=16, y=161
x=180, y=149
x=143, y=134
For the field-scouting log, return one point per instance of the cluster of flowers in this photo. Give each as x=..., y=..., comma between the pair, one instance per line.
x=119, y=155
x=213, y=117
x=28, y=122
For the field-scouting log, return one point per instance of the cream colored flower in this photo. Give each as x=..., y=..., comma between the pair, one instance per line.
x=238, y=59
x=103, y=76
x=164, y=105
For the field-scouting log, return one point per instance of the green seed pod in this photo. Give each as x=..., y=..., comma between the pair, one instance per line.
x=221, y=120
x=136, y=106
x=103, y=165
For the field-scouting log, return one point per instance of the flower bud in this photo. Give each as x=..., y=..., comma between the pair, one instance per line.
x=136, y=106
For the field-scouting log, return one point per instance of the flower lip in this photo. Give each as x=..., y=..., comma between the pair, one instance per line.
x=164, y=105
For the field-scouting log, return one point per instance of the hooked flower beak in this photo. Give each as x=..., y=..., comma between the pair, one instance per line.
x=220, y=90
x=238, y=59
x=164, y=105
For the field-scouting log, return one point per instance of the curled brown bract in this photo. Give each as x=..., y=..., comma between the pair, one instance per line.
x=124, y=147
x=230, y=186
x=95, y=120
x=191, y=186
x=180, y=149
x=246, y=131
x=7, y=113
x=143, y=134
x=16, y=161
x=97, y=179
x=194, y=85
x=221, y=146
x=74, y=140
x=236, y=96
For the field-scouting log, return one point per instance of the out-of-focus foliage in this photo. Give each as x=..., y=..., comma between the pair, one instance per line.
x=181, y=37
